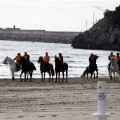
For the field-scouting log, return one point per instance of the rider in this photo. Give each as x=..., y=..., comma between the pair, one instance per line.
x=26, y=57
x=92, y=64
x=60, y=58
x=18, y=60
x=109, y=58
x=92, y=61
x=118, y=59
x=46, y=59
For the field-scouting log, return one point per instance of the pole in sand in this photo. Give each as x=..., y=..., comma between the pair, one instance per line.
x=101, y=114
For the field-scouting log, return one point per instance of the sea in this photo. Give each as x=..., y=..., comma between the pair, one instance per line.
x=77, y=59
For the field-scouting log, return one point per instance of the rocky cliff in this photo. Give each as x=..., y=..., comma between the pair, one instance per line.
x=37, y=36
x=105, y=34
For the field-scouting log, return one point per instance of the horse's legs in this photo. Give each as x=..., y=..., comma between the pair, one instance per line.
x=63, y=76
x=97, y=74
x=30, y=75
x=44, y=76
x=114, y=76
x=94, y=75
x=66, y=75
x=91, y=75
x=59, y=77
x=25, y=77
x=49, y=75
x=21, y=75
x=110, y=74
x=41, y=76
x=12, y=72
x=56, y=77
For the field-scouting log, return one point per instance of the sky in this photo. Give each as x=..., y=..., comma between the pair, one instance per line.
x=53, y=15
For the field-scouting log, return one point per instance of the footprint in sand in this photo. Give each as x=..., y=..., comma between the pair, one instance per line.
x=21, y=116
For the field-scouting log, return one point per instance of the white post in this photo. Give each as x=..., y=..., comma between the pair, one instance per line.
x=101, y=114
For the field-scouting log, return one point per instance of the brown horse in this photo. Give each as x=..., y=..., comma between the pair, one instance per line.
x=60, y=68
x=44, y=69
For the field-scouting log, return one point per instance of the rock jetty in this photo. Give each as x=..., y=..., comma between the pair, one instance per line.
x=37, y=35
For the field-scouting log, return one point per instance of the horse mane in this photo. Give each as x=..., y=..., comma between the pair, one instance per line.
x=10, y=59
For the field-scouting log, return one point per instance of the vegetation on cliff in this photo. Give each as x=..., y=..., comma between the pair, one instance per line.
x=105, y=34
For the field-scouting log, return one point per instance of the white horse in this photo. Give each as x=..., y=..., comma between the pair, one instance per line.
x=113, y=68
x=12, y=64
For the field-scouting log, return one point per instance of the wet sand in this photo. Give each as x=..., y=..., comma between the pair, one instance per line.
x=75, y=100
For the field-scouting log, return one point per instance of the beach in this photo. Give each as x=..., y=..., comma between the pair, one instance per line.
x=74, y=100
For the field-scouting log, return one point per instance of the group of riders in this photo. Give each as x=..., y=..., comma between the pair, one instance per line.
x=46, y=59
x=26, y=56
x=117, y=58
x=92, y=60
x=18, y=59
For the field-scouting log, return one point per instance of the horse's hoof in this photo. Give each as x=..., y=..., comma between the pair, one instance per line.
x=12, y=78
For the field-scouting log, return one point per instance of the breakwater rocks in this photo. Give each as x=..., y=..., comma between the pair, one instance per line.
x=101, y=36
x=37, y=36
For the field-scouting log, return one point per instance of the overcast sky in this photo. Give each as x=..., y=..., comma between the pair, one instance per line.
x=53, y=15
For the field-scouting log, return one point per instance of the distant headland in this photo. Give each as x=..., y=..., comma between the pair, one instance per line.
x=104, y=35
x=17, y=34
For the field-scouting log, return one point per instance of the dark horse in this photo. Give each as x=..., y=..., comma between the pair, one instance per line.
x=60, y=68
x=27, y=67
x=91, y=69
x=44, y=69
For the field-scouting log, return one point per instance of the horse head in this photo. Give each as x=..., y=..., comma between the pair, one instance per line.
x=40, y=59
x=56, y=60
x=8, y=60
x=96, y=57
x=113, y=61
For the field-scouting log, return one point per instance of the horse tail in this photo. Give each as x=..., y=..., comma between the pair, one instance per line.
x=85, y=72
x=33, y=66
x=66, y=69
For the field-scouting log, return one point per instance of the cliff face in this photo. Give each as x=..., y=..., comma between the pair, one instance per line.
x=37, y=36
x=100, y=36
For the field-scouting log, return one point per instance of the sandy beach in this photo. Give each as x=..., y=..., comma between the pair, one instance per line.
x=75, y=100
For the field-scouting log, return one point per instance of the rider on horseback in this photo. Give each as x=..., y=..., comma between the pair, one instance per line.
x=18, y=60
x=26, y=56
x=60, y=58
x=92, y=66
x=109, y=58
x=46, y=60
x=92, y=61
x=118, y=59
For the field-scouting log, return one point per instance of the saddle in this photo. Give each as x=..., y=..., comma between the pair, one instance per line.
x=92, y=67
x=18, y=66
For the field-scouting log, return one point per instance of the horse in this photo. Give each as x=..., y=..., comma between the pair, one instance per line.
x=44, y=69
x=13, y=66
x=113, y=68
x=92, y=68
x=60, y=68
x=27, y=67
